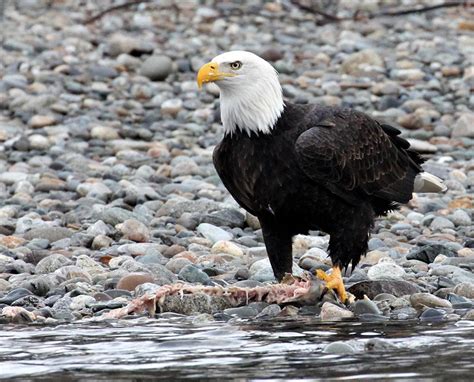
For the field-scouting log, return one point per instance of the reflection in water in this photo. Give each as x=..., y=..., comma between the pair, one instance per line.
x=175, y=348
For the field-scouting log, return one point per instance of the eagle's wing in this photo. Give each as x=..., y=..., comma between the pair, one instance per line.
x=354, y=157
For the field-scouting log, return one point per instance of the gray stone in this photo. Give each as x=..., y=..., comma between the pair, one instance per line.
x=440, y=223
x=89, y=265
x=365, y=306
x=70, y=272
x=242, y=312
x=225, y=217
x=465, y=289
x=116, y=215
x=464, y=126
x=270, y=311
x=51, y=263
x=331, y=312
x=460, y=218
x=422, y=300
x=432, y=314
x=176, y=264
x=51, y=234
x=134, y=230
x=362, y=63
x=192, y=274
x=156, y=68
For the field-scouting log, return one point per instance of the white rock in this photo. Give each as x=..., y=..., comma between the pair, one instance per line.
x=105, y=133
x=224, y=246
x=213, y=233
x=81, y=301
x=38, y=142
x=261, y=270
x=386, y=270
x=11, y=177
x=171, y=106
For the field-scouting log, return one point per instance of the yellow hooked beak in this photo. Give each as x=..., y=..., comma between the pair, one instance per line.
x=210, y=73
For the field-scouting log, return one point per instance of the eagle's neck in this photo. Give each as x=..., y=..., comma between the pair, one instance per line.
x=252, y=109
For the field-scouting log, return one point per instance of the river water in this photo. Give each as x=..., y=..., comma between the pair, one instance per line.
x=179, y=348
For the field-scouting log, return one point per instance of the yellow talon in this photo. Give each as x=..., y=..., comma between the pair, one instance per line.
x=334, y=281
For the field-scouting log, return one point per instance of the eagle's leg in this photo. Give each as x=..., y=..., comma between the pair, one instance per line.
x=334, y=281
x=346, y=246
x=278, y=243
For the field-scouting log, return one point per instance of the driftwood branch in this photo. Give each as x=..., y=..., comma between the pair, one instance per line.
x=357, y=16
x=113, y=9
x=326, y=16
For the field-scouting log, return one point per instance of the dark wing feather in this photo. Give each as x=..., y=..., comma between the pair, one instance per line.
x=354, y=157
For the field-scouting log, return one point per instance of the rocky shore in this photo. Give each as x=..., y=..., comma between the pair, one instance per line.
x=107, y=188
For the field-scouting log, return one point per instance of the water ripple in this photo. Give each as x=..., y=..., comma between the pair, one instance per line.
x=175, y=348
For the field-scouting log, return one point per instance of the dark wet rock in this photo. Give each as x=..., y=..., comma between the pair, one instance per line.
x=397, y=288
x=14, y=295
x=432, y=314
x=227, y=217
x=242, y=312
x=428, y=253
x=28, y=302
x=270, y=311
x=114, y=293
x=109, y=305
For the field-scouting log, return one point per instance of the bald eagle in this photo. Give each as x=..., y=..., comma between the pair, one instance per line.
x=307, y=167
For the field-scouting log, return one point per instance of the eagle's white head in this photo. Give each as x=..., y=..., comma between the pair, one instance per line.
x=251, y=95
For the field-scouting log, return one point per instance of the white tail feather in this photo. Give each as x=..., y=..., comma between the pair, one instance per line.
x=426, y=182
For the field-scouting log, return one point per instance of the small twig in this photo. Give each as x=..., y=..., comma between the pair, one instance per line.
x=114, y=8
x=306, y=8
x=332, y=18
x=447, y=4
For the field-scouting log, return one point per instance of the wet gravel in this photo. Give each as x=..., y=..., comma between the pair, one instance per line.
x=107, y=188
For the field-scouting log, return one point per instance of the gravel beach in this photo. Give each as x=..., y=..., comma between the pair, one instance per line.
x=107, y=187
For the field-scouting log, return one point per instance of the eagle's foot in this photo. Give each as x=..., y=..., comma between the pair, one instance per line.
x=334, y=281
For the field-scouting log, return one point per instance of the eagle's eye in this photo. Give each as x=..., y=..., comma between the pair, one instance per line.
x=236, y=65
